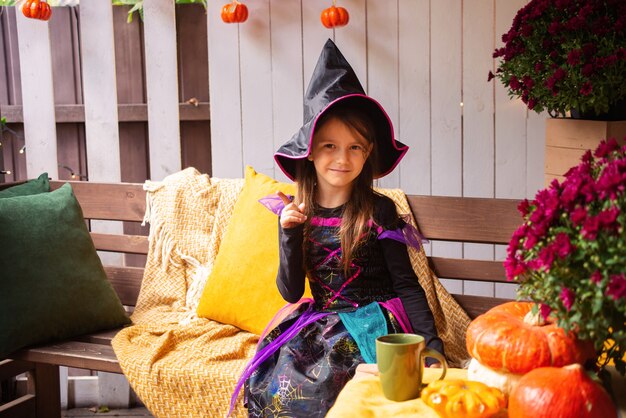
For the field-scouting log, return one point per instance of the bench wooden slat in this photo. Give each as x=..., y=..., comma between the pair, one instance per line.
x=476, y=305
x=466, y=219
x=103, y=337
x=10, y=368
x=73, y=354
x=96, y=200
x=133, y=244
x=126, y=281
x=479, y=270
x=22, y=407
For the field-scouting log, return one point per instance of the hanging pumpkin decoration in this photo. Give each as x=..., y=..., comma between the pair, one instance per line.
x=508, y=341
x=334, y=16
x=36, y=9
x=234, y=12
x=564, y=392
x=463, y=399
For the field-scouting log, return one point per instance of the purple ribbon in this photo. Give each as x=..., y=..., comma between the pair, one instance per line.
x=307, y=318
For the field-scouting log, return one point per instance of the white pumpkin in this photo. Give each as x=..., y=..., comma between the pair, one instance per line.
x=505, y=381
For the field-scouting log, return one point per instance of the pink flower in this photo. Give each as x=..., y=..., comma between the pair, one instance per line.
x=562, y=246
x=606, y=147
x=617, y=286
x=567, y=297
x=586, y=89
x=544, y=311
x=524, y=207
x=596, y=277
x=578, y=215
x=590, y=228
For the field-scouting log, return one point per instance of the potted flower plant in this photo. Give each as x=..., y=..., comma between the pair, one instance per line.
x=561, y=55
x=569, y=253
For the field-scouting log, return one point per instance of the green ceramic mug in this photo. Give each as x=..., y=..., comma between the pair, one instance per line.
x=400, y=359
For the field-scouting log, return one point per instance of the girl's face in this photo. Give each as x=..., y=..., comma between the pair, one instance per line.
x=339, y=153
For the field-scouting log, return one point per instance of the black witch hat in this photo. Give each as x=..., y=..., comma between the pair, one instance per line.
x=334, y=81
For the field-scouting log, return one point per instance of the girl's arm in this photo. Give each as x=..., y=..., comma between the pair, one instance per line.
x=411, y=293
x=291, y=274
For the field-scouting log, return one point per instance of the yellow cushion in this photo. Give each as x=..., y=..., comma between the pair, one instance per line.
x=241, y=289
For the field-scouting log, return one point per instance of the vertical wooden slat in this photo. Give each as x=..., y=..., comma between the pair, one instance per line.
x=446, y=143
x=256, y=89
x=382, y=63
x=286, y=49
x=511, y=135
x=414, y=95
x=478, y=130
x=314, y=36
x=67, y=90
x=98, y=62
x=101, y=120
x=352, y=38
x=225, y=95
x=162, y=88
x=37, y=96
x=510, y=155
x=193, y=74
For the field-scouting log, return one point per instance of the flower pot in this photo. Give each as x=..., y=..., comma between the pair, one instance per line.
x=568, y=139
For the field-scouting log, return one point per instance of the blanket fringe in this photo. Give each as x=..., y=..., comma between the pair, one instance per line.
x=163, y=244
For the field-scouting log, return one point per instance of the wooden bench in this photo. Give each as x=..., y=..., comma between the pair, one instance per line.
x=451, y=219
x=120, y=202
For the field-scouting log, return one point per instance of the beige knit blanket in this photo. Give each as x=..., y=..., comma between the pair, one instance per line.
x=184, y=366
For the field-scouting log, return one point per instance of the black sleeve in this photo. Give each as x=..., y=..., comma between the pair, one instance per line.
x=406, y=284
x=291, y=274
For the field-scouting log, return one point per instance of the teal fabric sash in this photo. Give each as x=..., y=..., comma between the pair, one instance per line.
x=365, y=325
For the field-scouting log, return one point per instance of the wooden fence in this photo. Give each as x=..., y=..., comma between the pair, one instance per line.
x=111, y=100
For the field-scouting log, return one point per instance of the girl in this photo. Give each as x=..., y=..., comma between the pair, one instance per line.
x=350, y=243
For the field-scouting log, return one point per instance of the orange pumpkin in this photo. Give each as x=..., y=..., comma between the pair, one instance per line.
x=334, y=16
x=509, y=338
x=463, y=399
x=234, y=12
x=564, y=392
x=36, y=9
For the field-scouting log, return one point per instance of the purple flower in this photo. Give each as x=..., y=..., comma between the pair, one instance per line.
x=567, y=297
x=573, y=58
x=617, y=286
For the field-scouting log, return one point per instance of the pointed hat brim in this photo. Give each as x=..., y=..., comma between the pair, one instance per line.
x=333, y=82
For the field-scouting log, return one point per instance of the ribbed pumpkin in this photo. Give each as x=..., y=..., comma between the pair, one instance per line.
x=509, y=338
x=234, y=12
x=564, y=392
x=463, y=399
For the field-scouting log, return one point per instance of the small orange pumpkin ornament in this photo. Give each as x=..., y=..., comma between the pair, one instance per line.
x=36, y=9
x=334, y=16
x=564, y=392
x=463, y=399
x=234, y=12
x=510, y=338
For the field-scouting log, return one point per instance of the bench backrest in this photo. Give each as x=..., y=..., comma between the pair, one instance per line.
x=467, y=220
x=450, y=219
x=117, y=202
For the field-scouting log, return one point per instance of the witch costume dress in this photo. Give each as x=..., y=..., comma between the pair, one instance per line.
x=315, y=345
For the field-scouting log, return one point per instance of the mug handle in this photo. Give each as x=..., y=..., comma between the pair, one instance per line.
x=429, y=352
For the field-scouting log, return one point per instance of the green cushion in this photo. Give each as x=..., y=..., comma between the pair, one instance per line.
x=36, y=186
x=52, y=283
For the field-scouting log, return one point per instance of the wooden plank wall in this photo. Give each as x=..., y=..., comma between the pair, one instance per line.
x=426, y=61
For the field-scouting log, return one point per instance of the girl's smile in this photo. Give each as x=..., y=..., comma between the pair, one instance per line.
x=339, y=154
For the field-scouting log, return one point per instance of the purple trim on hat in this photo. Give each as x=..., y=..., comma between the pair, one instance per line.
x=393, y=138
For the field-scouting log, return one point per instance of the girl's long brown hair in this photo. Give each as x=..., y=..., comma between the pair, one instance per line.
x=359, y=209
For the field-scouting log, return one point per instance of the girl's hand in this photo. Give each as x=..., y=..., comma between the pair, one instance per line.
x=292, y=215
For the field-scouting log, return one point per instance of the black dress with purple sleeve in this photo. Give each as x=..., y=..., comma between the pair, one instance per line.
x=302, y=364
